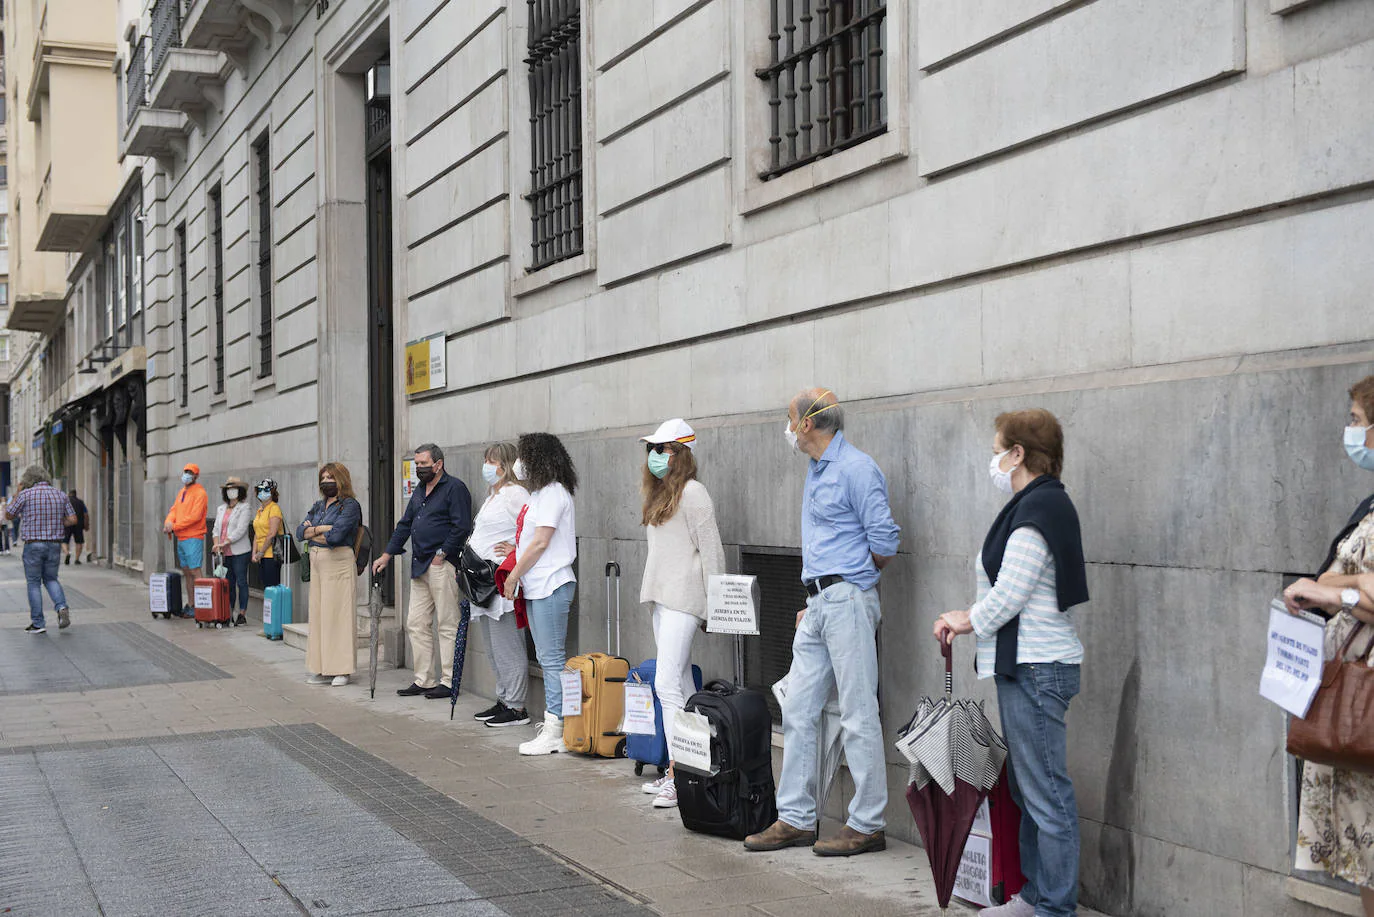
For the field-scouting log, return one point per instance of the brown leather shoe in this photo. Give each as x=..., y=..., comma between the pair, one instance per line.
x=849, y=843
x=779, y=835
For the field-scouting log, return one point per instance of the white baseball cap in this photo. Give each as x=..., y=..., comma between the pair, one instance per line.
x=672, y=431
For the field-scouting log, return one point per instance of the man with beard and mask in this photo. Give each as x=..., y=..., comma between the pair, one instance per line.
x=186, y=526
x=437, y=522
x=848, y=536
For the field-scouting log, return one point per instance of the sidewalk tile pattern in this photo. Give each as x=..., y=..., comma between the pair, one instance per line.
x=92, y=656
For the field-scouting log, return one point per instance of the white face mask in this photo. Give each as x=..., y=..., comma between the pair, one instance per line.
x=1001, y=479
x=789, y=434
x=187, y=477
x=489, y=473
x=519, y=469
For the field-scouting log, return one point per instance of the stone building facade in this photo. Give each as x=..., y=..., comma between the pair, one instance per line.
x=1148, y=217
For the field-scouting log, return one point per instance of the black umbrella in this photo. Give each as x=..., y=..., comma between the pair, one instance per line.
x=374, y=613
x=460, y=652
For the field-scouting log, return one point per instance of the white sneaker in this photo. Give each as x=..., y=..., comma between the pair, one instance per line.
x=667, y=797
x=653, y=786
x=317, y=680
x=339, y=681
x=1016, y=907
x=548, y=739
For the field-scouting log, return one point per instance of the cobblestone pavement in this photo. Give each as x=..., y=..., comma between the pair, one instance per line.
x=150, y=768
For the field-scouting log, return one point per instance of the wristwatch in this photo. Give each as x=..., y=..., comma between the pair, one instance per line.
x=1349, y=599
x=441, y=554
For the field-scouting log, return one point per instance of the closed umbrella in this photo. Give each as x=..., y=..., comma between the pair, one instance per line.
x=460, y=652
x=956, y=757
x=374, y=614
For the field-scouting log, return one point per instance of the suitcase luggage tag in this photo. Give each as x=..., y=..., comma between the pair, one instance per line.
x=639, y=717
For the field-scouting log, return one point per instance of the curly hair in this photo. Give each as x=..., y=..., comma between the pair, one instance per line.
x=546, y=462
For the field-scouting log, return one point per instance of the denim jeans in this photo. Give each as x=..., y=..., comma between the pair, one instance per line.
x=549, y=626
x=835, y=646
x=1033, y=707
x=41, y=559
x=238, y=579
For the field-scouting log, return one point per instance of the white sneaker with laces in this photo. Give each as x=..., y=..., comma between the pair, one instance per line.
x=653, y=786
x=339, y=681
x=317, y=679
x=667, y=797
x=1016, y=907
x=548, y=739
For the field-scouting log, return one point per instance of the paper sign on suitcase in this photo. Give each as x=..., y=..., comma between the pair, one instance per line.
x=639, y=710
x=691, y=746
x=572, y=693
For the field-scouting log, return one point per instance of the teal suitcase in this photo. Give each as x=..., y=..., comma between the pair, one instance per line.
x=276, y=611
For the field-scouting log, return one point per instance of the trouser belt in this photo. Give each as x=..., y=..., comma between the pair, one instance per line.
x=814, y=587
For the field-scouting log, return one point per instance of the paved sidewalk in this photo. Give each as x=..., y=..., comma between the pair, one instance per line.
x=196, y=773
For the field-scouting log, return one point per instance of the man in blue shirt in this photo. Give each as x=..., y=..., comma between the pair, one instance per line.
x=437, y=522
x=848, y=535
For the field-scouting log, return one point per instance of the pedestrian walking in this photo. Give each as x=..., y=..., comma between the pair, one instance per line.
x=9, y=532
x=44, y=513
x=185, y=525
x=543, y=571
x=329, y=530
x=437, y=522
x=267, y=525
x=233, y=520
x=684, y=552
x=493, y=537
x=76, y=533
x=848, y=536
x=1030, y=573
x=1336, y=806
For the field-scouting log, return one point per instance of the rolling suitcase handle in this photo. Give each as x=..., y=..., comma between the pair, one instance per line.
x=613, y=567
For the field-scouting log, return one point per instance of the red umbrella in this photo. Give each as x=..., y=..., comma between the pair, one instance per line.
x=955, y=757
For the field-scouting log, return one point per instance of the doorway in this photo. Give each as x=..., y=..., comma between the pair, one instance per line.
x=381, y=377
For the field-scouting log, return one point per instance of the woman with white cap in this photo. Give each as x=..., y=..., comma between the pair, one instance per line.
x=684, y=551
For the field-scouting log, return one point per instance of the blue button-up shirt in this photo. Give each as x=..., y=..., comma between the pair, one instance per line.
x=845, y=516
x=441, y=518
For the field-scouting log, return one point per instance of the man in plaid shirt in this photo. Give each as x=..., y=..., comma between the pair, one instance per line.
x=44, y=513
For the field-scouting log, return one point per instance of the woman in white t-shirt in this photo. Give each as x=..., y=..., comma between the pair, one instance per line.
x=493, y=537
x=543, y=572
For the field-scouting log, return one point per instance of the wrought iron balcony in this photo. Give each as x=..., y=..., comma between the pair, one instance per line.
x=166, y=31
x=136, y=80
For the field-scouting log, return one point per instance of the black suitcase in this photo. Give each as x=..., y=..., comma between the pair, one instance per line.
x=739, y=799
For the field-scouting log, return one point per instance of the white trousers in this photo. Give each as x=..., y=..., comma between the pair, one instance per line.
x=673, y=633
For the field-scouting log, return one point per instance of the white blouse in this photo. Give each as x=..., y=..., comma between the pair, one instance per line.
x=494, y=524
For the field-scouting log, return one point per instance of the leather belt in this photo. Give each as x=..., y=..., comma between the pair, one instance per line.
x=814, y=587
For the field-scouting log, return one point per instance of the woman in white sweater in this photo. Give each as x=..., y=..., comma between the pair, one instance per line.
x=684, y=551
x=232, y=542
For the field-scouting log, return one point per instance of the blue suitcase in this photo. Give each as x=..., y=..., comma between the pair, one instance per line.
x=652, y=750
x=276, y=610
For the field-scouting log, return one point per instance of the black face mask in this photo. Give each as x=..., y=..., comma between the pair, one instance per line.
x=424, y=474
x=329, y=488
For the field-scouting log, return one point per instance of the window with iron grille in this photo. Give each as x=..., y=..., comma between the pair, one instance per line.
x=215, y=214
x=262, y=155
x=827, y=82
x=185, y=309
x=768, y=656
x=555, y=77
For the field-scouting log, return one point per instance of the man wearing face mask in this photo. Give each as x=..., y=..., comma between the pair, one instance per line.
x=186, y=526
x=437, y=522
x=848, y=536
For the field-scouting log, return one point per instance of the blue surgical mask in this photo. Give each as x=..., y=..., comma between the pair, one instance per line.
x=658, y=464
x=187, y=477
x=489, y=474
x=1359, y=453
x=264, y=495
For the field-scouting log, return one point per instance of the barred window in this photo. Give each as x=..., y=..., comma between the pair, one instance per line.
x=215, y=214
x=827, y=83
x=555, y=75
x=262, y=154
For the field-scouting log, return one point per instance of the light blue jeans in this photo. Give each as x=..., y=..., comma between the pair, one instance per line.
x=549, y=627
x=836, y=645
x=1033, y=707
x=40, y=570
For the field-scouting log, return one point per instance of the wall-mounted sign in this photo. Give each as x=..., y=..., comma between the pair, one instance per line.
x=57, y=427
x=16, y=449
x=425, y=365
x=409, y=479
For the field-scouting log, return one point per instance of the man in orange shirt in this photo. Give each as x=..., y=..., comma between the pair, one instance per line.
x=185, y=524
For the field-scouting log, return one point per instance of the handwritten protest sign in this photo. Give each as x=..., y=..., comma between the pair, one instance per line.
x=1293, y=667
x=639, y=710
x=572, y=693
x=973, y=882
x=732, y=604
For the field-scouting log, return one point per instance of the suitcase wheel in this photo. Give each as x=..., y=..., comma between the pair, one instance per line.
x=620, y=749
x=639, y=768
x=200, y=624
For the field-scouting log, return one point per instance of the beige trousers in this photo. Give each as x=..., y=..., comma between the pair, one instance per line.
x=433, y=593
x=331, y=648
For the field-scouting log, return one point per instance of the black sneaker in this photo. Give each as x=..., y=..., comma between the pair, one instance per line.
x=241, y=621
x=439, y=692
x=67, y=560
x=490, y=712
x=34, y=629
x=78, y=561
x=509, y=717
x=411, y=691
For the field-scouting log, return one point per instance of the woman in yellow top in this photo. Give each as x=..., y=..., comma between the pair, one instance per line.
x=267, y=525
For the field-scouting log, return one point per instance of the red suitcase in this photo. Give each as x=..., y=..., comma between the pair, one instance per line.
x=1006, y=842
x=212, y=602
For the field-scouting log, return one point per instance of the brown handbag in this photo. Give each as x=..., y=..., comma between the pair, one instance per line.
x=1338, y=730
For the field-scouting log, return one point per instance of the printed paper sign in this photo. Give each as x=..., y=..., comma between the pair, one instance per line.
x=157, y=595
x=639, y=710
x=732, y=604
x=982, y=820
x=266, y=612
x=205, y=597
x=572, y=693
x=1293, y=668
x=691, y=747
x=973, y=882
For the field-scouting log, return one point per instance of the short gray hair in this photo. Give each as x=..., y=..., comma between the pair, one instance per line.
x=825, y=409
x=34, y=474
x=435, y=453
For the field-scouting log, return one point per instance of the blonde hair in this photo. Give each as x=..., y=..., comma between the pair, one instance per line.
x=661, y=497
x=503, y=454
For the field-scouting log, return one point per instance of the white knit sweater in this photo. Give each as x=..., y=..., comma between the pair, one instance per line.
x=683, y=553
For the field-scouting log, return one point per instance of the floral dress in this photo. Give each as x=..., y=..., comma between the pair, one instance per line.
x=1336, y=812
